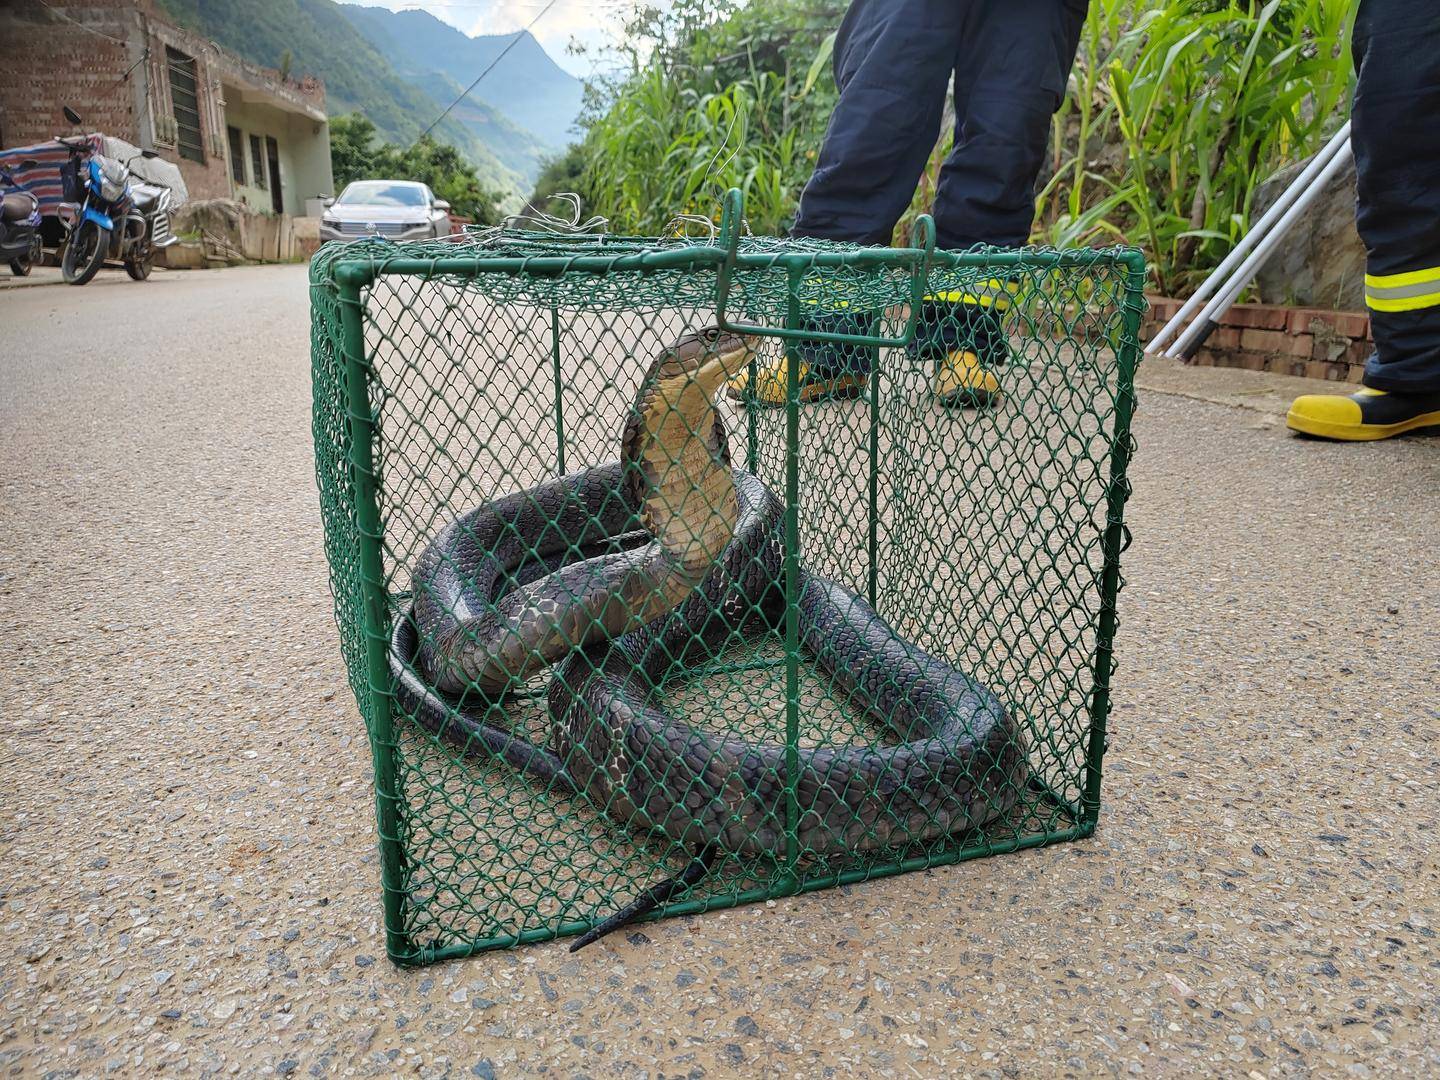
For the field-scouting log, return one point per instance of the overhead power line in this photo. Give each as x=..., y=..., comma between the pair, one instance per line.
x=90, y=29
x=488, y=68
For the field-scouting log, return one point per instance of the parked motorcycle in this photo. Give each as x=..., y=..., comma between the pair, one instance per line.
x=118, y=220
x=19, y=225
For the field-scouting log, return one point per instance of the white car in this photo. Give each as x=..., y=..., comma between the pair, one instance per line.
x=397, y=209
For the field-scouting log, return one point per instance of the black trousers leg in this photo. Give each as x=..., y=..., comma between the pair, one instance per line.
x=893, y=60
x=1396, y=137
x=1011, y=67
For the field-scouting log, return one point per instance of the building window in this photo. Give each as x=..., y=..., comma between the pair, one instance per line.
x=272, y=150
x=237, y=154
x=185, y=102
x=257, y=161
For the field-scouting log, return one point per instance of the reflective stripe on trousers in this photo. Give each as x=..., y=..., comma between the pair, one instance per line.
x=1403, y=292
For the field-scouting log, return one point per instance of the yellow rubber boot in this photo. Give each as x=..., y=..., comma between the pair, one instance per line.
x=772, y=380
x=1364, y=416
x=961, y=381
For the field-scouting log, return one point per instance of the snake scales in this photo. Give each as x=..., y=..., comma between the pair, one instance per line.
x=615, y=574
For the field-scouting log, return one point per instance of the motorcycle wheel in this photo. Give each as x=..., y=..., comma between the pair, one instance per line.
x=20, y=266
x=84, y=253
x=140, y=268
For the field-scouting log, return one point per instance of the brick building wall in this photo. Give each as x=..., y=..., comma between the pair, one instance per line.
x=114, y=69
x=209, y=179
x=114, y=73
x=47, y=63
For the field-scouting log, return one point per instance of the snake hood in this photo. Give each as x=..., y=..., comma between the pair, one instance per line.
x=677, y=464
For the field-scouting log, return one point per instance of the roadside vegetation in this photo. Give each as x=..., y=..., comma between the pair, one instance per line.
x=1176, y=112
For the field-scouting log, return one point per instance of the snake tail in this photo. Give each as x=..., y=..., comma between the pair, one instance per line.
x=652, y=897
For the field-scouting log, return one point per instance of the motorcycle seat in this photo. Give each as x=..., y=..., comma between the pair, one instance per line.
x=143, y=200
x=17, y=206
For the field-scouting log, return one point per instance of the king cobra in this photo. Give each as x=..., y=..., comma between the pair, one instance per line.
x=621, y=575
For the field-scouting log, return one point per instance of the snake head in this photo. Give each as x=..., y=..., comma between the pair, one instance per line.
x=712, y=350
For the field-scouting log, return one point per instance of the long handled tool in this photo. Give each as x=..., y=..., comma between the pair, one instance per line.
x=1223, y=287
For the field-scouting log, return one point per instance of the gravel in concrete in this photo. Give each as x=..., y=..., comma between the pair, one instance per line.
x=186, y=832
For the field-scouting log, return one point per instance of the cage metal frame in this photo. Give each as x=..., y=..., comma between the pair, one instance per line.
x=349, y=278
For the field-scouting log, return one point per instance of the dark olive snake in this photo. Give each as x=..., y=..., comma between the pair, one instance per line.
x=622, y=575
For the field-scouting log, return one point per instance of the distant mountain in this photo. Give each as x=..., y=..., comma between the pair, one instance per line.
x=519, y=148
x=322, y=41
x=527, y=87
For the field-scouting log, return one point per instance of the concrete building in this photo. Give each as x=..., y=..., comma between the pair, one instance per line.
x=237, y=130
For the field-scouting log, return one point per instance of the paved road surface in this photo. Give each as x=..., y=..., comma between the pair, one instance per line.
x=186, y=839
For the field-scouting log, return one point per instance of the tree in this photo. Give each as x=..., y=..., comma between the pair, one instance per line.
x=352, y=150
x=355, y=155
x=564, y=172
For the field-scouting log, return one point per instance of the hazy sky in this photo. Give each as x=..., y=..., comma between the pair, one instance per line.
x=593, y=22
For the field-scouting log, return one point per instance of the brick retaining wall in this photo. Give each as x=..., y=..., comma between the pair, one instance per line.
x=1292, y=341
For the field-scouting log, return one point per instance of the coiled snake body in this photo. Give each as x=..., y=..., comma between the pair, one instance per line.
x=620, y=573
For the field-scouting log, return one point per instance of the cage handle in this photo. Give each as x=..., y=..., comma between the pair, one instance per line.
x=921, y=252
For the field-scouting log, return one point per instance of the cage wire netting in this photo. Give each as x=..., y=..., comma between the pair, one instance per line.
x=629, y=598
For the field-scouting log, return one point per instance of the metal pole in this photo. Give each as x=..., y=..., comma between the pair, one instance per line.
x=1190, y=341
x=792, y=590
x=874, y=536
x=559, y=391
x=1221, y=274
x=375, y=610
x=752, y=420
x=1113, y=542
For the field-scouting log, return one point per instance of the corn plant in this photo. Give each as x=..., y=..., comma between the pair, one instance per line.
x=665, y=150
x=1178, y=111
x=740, y=100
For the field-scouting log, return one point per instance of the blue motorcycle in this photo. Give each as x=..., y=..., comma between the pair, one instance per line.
x=114, y=219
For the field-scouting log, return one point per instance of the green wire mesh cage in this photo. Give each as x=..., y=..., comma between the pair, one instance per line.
x=745, y=566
